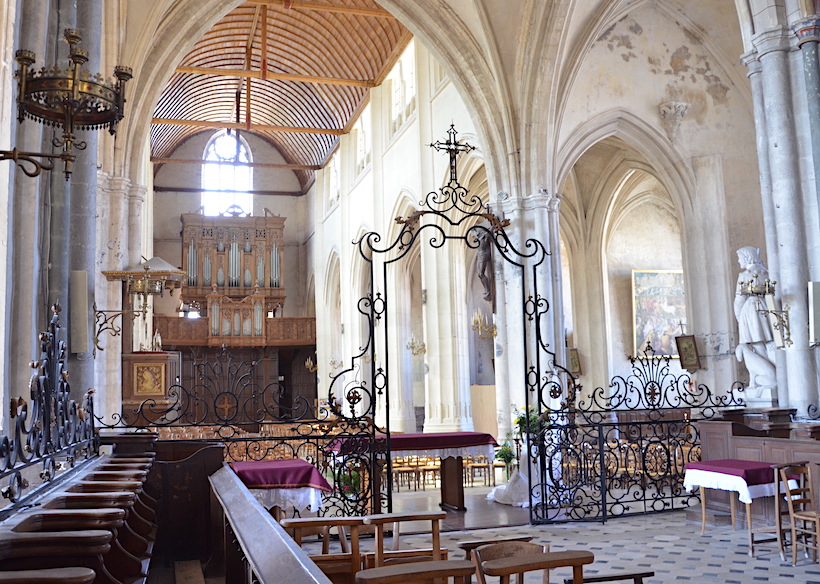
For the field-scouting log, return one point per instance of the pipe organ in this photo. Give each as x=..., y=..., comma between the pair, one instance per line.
x=234, y=270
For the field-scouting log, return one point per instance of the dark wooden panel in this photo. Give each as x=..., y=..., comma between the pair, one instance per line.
x=186, y=525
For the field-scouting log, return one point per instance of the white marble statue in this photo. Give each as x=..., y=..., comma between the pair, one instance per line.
x=755, y=341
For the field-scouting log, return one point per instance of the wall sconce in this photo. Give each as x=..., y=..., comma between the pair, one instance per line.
x=483, y=326
x=335, y=364
x=778, y=319
x=416, y=346
x=151, y=278
x=70, y=99
x=310, y=365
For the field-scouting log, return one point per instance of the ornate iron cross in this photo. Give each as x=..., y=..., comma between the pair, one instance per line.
x=453, y=149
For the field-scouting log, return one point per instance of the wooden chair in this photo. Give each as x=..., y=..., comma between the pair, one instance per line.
x=403, y=469
x=431, y=469
x=480, y=465
x=460, y=571
x=340, y=567
x=776, y=532
x=381, y=556
x=804, y=518
x=469, y=545
x=508, y=549
x=504, y=568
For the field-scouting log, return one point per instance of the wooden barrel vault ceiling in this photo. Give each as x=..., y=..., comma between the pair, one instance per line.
x=293, y=73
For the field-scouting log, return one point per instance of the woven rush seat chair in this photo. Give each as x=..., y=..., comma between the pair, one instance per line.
x=507, y=549
x=804, y=516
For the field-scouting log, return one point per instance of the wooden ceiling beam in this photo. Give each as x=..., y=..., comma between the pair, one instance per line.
x=247, y=127
x=251, y=164
x=366, y=83
x=163, y=189
x=376, y=12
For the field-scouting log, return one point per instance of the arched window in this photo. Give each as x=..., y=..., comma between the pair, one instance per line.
x=225, y=183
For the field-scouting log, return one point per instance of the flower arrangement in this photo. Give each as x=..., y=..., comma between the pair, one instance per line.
x=350, y=483
x=506, y=454
x=528, y=421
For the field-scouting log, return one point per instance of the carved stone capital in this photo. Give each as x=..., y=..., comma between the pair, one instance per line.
x=752, y=62
x=772, y=41
x=672, y=113
x=137, y=193
x=807, y=30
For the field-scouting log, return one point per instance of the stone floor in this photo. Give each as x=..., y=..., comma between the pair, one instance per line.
x=670, y=544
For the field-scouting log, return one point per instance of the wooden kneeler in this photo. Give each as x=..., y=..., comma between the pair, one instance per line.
x=460, y=571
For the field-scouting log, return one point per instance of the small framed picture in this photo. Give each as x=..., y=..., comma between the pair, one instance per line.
x=688, y=351
x=574, y=362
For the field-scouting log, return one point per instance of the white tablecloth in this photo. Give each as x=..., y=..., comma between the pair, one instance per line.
x=714, y=480
x=299, y=498
x=487, y=450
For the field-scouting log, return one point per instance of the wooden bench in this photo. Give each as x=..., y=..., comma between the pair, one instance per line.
x=636, y=577
x=506, y=567
x=460, y=571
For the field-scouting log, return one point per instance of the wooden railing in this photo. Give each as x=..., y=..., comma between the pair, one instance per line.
x=266, y=551
x=179, y=331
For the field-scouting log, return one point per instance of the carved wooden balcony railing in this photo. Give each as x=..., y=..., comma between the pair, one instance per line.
x=278, y=332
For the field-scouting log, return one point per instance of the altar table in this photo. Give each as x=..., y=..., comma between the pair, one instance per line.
x=283, y=483
x=749, y=479
x=452, y=447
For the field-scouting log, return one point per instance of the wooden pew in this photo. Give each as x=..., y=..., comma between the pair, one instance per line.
x=83, y=524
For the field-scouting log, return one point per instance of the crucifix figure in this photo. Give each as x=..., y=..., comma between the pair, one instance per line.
x=453, y=149
x=225, y=405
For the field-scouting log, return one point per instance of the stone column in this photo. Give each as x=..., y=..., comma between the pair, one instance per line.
x=82, y=254
x=446, y=325
x=8, y=19
x=28, y=314
x=503, y=399
x=510, y=370
x=59, y=189
x=112, y=234
x=773, y=47
x=807, y=32
x=556, y=279
x=400, y=316
x=752, y=62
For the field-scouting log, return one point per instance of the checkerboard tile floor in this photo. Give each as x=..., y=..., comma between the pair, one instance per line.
x=667, y=543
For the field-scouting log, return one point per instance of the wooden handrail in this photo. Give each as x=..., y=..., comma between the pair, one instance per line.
x=268, y=549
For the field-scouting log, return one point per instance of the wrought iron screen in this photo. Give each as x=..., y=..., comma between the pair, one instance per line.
x=620, y=450
x=585, y=459
x=52, y=434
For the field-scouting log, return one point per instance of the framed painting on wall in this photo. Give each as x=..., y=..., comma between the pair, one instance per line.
x=688, y=351
x=658, y=311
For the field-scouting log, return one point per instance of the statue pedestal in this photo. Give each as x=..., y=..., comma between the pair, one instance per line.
x=776, y=422
x=757, y=398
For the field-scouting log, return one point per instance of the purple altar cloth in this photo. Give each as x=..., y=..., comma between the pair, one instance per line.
x=754, y=473
x=280, y=474
x=415, y=442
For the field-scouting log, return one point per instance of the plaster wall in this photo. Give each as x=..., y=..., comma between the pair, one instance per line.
x=645, y=60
